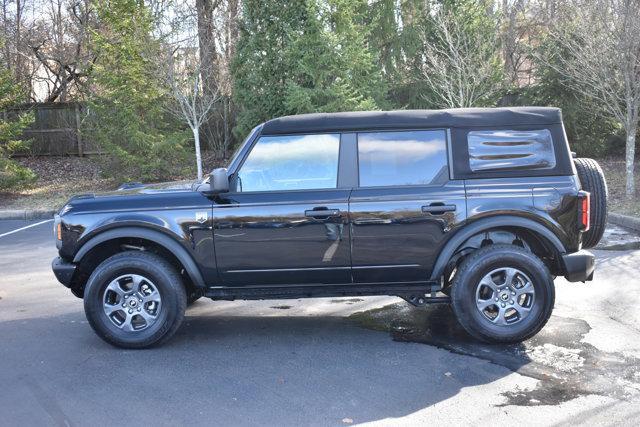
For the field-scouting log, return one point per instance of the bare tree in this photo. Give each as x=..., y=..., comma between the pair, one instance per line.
x=194, y=100
x=515, y=30
x=59, y=46
x=208, y=31
x=15, y=29
x=601, y=60
x=460, y=66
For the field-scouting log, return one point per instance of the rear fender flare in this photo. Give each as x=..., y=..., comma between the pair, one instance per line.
x=486, y=224
x=157, y=237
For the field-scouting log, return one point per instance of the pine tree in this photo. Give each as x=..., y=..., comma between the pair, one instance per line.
x=126, y=115
x=12, y=174
x=304, y=56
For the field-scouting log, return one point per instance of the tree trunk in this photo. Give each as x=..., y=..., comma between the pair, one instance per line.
x=206, y=43
x=196, y=139
x=18, y=42
x=233, y=28
x=632, y=129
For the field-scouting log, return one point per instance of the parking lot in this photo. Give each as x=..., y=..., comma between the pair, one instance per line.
x=319, y=361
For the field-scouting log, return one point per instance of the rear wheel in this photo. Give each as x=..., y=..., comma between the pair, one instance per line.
x=135, y=300
x=592, y=180
x=502, y=294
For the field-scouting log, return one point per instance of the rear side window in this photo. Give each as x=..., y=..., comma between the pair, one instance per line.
x=495, y=150
x=296, y=162
x=402, y=158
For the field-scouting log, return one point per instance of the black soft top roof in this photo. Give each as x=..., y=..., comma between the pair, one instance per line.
x=413, y=119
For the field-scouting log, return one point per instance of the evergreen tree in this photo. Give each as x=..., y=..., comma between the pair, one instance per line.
x=12, y=174
x=397, y=30
x=305, y=56
x=126, y=115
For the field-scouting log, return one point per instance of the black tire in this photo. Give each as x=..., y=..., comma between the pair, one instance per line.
x=592, y=180
x=484, y=261
x=164, y=278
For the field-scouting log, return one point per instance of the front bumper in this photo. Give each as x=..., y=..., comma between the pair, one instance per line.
x=63, y=270
x=579, y=266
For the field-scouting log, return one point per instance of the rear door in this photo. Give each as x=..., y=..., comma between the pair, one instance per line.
x=286, y=222
x=404, y=206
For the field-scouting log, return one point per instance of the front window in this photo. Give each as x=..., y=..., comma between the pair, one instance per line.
x=291, y=162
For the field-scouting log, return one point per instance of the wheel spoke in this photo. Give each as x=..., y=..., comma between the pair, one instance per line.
x=488, y=282
x=483, y=304
x=526, y=288
x=509, y=275
x=153, y=297
x=114, y=286
x=148, y=317
x=127, y=325
x=110, y=309
x=137, y=281
x=500, y=319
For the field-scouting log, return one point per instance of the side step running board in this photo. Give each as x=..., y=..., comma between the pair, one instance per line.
x=418, y=294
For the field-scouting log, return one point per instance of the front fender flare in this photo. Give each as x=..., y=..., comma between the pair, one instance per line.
x=157, y=237
x=486, y=224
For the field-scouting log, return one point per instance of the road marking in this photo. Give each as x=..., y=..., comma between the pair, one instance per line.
x=24, y=228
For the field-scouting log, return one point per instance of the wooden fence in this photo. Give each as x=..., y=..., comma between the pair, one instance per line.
x=55, y=130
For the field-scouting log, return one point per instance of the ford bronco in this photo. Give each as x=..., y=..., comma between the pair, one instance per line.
x=479, y=208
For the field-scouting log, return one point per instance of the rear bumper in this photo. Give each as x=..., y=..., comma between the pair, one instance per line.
x=579, y=266
x=63, y=270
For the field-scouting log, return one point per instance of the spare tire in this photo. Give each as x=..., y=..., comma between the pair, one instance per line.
x=593, y=181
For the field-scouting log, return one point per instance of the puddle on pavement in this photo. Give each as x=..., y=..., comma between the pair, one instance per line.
x=566, y=367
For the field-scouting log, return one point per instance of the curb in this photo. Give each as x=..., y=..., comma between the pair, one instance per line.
x=27, y=214
x=625, y=221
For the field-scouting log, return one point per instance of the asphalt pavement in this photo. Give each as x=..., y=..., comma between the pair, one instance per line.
x=330, y=361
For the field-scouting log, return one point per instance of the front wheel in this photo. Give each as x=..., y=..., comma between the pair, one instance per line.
x=135, y=300
x=502, y=294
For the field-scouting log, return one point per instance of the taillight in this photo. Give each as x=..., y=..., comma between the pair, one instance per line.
x=585, y=211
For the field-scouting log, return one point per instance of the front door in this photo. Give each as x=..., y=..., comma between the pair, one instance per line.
x=286, y=220
x=404, y=206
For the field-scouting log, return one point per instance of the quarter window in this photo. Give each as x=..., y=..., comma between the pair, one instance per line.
x=294, y=162
x=491, y=150
x=402, y=158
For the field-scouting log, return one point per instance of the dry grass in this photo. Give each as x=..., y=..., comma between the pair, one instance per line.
x=58, y=179
x=614, y=171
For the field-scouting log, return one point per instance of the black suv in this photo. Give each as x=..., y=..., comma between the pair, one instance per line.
x=481, y=208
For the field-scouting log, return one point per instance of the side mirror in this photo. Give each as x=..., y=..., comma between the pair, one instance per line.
x=219, y=181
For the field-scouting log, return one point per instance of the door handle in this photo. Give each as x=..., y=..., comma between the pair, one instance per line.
x=438, y=208
x=322, y=213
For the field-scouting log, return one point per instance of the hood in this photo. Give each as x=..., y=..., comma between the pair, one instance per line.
x=132, y=196
x=135, y=188
x=158, y=187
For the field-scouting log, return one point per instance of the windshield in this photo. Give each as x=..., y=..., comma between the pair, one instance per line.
x=236, y=153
